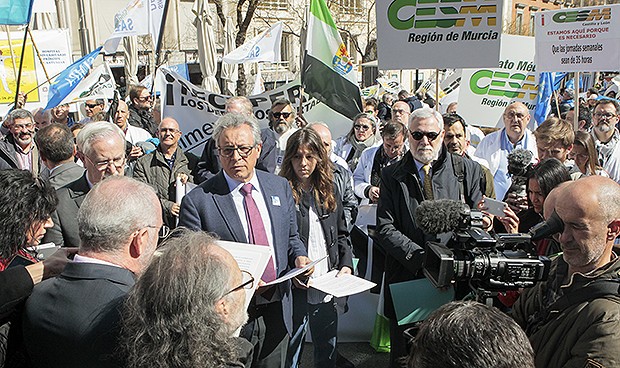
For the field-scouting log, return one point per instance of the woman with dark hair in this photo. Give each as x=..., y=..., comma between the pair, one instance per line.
x=585, y=156
x=363, y=134
x=26, y=204
x=541, y=179
x=322, y=229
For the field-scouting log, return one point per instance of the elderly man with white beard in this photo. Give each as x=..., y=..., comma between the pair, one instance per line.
x=428, y=171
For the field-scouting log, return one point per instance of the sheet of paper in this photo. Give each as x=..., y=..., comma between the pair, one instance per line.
x=344, y=285
x=251, y=258
x=295, y=272
x=416, y=299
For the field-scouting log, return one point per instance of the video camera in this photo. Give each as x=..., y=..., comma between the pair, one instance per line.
x=488, y=262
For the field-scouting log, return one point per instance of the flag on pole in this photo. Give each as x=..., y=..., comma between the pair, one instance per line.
x=98, y=84
x=139, y=17
x=543, y=99
x=264, y=47
x=66, y=81
x=15, y=12
x=328, y=74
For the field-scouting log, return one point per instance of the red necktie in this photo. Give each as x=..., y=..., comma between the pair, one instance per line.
x=256, y=228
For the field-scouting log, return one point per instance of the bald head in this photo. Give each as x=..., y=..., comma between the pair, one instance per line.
x=552, y=197
x=326, y=135
x=169, y=134
x=400, y=112
x=598, y=192
x=121, y=115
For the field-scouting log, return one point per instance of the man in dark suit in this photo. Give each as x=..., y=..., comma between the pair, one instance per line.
x=57, y=151
x=101, y=147
x=72, y=320
x=245, y=205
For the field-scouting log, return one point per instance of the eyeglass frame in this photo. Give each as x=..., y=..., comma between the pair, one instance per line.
x=103, y=165
x=424, y=134
x=145, y=98
x=237, y=149
x=607, y=116
x=244, y=284
x=163, y=232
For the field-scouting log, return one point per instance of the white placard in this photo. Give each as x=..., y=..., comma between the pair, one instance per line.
x=574, y=40
x=484, y=93
x=433, y=34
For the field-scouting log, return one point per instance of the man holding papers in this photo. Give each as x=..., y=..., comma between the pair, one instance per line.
x=244, y=205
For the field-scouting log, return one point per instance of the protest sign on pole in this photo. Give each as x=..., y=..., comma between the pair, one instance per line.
x=485, y=92
x=438, y=34
x=55, y=50
x=197, y=110
x=574, y=40
x=264, y=47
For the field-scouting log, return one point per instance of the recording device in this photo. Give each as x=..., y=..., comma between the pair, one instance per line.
x=488, y=262
x=519, y=163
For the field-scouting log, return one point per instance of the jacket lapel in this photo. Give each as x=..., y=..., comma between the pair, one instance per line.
x=226, y=207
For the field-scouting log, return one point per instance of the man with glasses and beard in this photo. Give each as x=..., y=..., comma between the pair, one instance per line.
x=281, y=127
x=606, y=136
x=428, y=171
x=191, y=271
x=17, y=149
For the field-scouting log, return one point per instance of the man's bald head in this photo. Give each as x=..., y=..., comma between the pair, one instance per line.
x=552, y=197
x=326, y=135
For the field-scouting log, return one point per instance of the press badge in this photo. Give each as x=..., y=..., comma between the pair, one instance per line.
x=275, y=201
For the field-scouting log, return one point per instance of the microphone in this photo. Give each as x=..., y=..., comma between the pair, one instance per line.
x=518, y=165
x=545, y=229
x=440, y=216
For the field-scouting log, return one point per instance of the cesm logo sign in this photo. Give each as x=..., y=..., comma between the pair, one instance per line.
x=587, y=15
x=432, y=14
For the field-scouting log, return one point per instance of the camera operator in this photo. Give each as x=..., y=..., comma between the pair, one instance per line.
x=573, y=318
x=428, y=171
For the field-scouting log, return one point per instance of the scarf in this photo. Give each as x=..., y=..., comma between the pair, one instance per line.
x=358, y=148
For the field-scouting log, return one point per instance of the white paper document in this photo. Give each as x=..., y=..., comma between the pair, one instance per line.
x=295, y=272
x=251, y=258
x=344, y=285
x=366, y=215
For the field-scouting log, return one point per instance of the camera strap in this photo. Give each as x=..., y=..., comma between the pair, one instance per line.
x=594, y=290
x=459, y=171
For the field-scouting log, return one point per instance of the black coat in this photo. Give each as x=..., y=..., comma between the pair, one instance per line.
x=401, y=194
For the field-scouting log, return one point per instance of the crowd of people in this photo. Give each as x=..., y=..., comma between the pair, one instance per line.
x=139, y=279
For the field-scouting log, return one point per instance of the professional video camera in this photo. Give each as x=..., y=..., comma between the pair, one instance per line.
x=488, y=262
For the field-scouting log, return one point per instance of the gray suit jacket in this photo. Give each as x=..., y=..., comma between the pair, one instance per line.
x=72, y=320
x=65, y=230
x=65, y=174
x=210, y=207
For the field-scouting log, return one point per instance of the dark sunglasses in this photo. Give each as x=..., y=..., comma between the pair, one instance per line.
x=419, y=135
x=283, y=114
x=91, y=106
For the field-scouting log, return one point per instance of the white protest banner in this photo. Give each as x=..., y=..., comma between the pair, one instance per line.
x=196, y=110
x=264, y=47
x=389, y=85
x=55, y=50
x=434, y=34
x=485, y=92
x=98, y=84
x=575, y=40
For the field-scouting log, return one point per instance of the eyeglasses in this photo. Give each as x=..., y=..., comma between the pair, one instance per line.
x=91, y=106
x=606, y=115
x=417, y=135
x=244, y=151
x=581, y=156
x=145, y=98
x=118, y=163
x=371, y=112
x=27, y=126
x=398, y=111
x=513, y=115
x=361, y=127
x=248, y=283
x=282, y=114
x=171, y=130
x=164, y=231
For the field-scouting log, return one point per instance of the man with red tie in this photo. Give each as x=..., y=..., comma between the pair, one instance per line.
x=244, y=205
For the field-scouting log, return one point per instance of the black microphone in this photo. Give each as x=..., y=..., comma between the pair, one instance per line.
x=440, y=216
x=519, y=161
x=545, y=229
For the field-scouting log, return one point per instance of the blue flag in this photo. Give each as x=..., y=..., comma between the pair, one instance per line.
x=545, y=90
x=15, y=12
x=69, y=78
